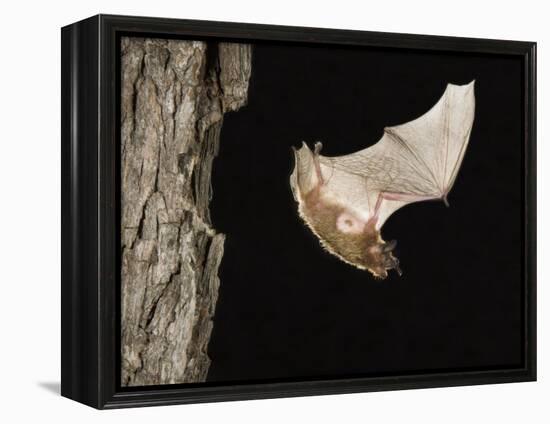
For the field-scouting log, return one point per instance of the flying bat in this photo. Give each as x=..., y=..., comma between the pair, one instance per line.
x=345, y=200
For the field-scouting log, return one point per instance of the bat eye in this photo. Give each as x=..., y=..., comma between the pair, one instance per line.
x=348, y=222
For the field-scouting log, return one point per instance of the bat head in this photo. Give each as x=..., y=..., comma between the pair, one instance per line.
x=363, y=249
x=379, y=259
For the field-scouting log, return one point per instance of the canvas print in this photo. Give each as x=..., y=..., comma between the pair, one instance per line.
x=259, y=189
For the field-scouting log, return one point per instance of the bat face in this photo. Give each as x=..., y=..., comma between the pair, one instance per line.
x=345, y=200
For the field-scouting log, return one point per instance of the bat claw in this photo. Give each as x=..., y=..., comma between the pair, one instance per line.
x=317, y=148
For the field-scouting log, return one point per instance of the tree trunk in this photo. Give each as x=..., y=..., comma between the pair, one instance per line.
x=174, y=95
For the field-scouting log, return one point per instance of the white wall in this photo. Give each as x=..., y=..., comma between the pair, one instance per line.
x=30, y=211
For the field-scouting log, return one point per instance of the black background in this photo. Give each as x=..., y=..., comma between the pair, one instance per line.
x=289, y=310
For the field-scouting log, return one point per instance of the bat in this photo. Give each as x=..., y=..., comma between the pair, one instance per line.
x=345, y=200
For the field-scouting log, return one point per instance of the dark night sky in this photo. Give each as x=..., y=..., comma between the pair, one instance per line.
x=289, y=310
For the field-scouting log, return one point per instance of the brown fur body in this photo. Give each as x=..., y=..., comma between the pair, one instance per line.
x=364, y=249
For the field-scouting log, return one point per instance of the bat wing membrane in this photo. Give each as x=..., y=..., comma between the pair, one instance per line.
x=416, y=161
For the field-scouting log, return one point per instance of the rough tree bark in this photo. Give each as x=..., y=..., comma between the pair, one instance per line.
x=174, y=95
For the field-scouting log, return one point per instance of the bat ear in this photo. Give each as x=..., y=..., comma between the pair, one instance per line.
x=389, y=246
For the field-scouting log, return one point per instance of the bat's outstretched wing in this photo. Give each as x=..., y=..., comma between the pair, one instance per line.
x=415, y=161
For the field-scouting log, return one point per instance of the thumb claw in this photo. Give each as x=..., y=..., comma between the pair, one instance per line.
x=318, y=147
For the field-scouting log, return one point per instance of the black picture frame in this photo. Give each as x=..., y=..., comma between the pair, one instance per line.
x=90, y=198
